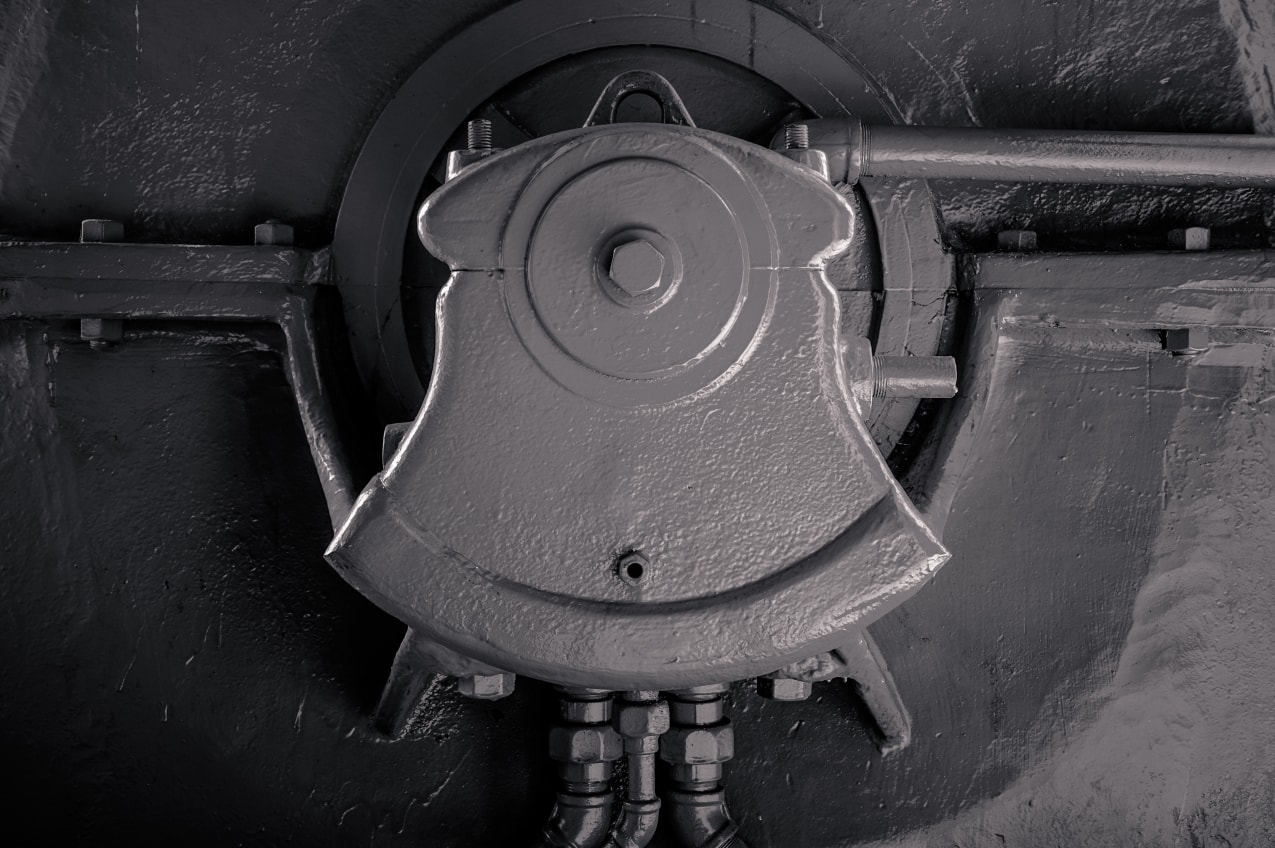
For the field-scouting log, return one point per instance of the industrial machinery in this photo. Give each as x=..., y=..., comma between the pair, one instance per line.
x=642, y=412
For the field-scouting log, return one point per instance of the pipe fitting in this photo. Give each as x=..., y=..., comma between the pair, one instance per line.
x=636, y=827
x=578, y=821
x=701, y=820
x=585, y=747
x=641, y=718
x=696, y=750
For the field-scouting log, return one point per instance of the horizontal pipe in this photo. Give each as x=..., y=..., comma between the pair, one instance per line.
x=1051, y=156
x=1069, y=157
x=914, y=376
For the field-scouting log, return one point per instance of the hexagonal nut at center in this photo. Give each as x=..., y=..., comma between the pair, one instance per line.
x=637, y=720
x=636, y=266
x=585, y=744
x=698, y=745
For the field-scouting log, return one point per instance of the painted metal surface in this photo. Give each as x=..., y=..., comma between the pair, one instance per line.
x=1120, y=698
x=685, y=422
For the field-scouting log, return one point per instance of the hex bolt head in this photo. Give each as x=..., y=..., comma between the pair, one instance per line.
x=100, y=230
x=1190, y=238
x=636, y=267
x=783, y=689
x=272, y=232
x=1186, y=340
x=1016, y=240
x=486, y=687
x=101, y=333
x=585, y=744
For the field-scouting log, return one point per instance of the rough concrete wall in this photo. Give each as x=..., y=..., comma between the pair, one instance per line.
x=1094, y=666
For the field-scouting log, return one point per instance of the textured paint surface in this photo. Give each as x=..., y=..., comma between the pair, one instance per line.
x=1093, y=666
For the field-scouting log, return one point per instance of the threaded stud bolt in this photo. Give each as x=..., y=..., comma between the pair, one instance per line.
x=478, y=133
x=796, y=136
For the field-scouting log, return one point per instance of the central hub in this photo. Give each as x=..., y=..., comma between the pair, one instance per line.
x=636, y=267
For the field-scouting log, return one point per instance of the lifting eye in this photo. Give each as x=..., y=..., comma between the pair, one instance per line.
x=638, y=107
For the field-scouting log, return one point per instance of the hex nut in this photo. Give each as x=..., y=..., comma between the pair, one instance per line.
x=696, y=712
x=636, y=267
x=814, y=160
x=100, y=230
x=1190, y=238
x=486, y=687
x=636, y=720
x=698, y=745
x=783, y=689
x=107, y=330
x=1186, y=340
x=272, y=232
x=585, y=744
x=698, y=773
x=459, y=160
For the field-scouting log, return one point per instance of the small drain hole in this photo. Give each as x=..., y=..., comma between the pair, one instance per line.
x=631, y=567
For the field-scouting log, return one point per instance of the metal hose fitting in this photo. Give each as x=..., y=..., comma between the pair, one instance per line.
x=700, y=741
x=585, y=747
x=641, y=718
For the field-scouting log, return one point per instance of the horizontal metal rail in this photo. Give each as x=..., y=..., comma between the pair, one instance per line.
x=158, y=282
